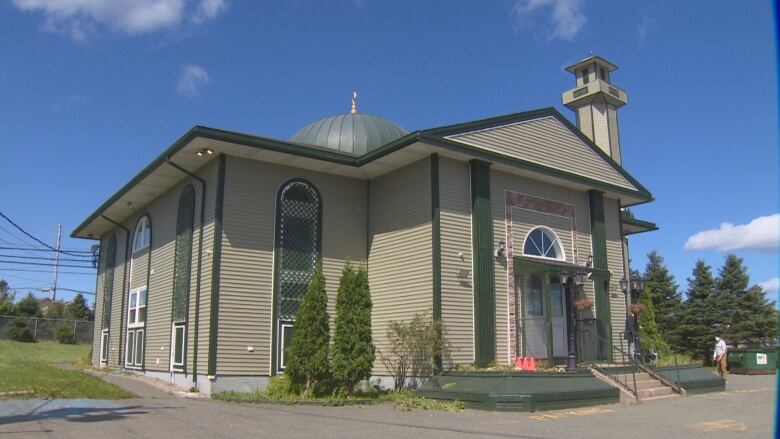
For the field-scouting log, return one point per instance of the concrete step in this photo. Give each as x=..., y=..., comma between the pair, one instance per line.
x=645, y=384
x=662, y=397
x=654, y=392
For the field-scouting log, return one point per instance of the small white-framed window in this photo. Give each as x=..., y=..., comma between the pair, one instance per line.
x=104, y=346
x=285, y=336
x=178, y=346
x=143, y=234
x=541, y=242
x=136, y=308
x=134, y=351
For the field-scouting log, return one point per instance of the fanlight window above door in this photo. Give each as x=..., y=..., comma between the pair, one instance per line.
x=542, y=242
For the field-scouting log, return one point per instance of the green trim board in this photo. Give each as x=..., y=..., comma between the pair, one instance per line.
x=632, y=226
x=692, y=377
x=433, y=136
x=215, y=267
x=483, y=274
x=521, y=391
x=598, y=236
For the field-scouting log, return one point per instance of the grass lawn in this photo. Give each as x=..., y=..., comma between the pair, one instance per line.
x=27, y=366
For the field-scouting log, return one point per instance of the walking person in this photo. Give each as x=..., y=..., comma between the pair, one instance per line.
x=631, y=335
x=719, y=355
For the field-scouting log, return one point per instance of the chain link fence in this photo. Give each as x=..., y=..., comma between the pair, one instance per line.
x=45, y=328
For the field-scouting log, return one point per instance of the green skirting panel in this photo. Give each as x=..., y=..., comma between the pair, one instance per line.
x=693, y=378
x=525, y=392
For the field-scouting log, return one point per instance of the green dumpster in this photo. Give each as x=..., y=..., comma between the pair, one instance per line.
x=752, y=361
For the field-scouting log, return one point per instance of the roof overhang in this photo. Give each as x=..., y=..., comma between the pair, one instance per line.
x=632, y=226
x=159, y=176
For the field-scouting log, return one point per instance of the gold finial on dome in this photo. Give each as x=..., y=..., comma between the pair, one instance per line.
x=354, y=103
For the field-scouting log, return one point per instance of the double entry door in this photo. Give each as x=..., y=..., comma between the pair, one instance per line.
x=536, y=309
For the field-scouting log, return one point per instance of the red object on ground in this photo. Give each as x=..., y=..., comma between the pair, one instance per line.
x=532, y=364
x=519, y=363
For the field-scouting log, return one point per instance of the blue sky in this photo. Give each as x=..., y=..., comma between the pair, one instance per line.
x=91, y=91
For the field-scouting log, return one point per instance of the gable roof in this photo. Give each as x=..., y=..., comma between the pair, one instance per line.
x=462, y=140
x=545, y=139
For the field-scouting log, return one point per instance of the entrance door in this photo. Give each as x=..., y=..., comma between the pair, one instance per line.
x=558, y=314
x=535, y=313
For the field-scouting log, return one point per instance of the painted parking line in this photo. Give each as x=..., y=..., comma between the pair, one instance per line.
x=552, y=416
x=718, y=425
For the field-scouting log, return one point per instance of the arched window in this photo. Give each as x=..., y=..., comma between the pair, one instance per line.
x=542, y=242
x=143, y=234
x=108, y=280
x=298, y=238
x=182, y=271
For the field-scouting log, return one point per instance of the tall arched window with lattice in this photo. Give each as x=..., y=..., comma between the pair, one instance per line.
x=297, y=253
x=181, y=278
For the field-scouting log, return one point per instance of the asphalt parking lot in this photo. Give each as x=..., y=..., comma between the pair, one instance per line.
x=745, y=410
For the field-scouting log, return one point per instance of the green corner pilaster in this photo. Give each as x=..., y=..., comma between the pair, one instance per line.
x=436, y=245
x=215, y=266
x=548, y=319
x=483, y=276
x=598, y=236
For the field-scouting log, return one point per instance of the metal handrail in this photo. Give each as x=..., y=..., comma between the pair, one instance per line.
x=629, y=366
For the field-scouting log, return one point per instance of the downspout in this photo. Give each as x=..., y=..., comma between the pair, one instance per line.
x=200, y=259
x=125, y=291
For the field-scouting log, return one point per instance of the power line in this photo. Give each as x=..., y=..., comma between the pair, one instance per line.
x=41, y=258
x=86, y=253
x=18, y=227
x=45, y=265
x=3, y=269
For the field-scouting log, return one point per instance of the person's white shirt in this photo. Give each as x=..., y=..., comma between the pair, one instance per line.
x=720, y=349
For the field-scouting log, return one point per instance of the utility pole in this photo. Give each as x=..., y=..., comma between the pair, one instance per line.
x=56, y=265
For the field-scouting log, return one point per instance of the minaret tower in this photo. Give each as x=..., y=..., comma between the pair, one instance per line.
x=595, y=102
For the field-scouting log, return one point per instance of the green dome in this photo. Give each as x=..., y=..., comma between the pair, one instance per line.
x=353, y=133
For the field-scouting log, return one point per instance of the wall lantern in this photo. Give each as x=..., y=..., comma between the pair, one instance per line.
x=500, y=250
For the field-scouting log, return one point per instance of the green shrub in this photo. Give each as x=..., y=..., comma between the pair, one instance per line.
x=20, y=332
x=353, y=351
x=279, y=387
x=65, y=335
x=413, y=348
x=308, y=367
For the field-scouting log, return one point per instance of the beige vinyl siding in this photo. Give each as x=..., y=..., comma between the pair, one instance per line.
x=209, y=174
x=614, y=134
x=457, y=294
x=98, y=324
x=616, y=266
x=547, y=142
x=600, y=134
x=120, y=283
x=585, y=121
x=246, y=270
x=162, y=213
x=400, y=248
x=501, y=182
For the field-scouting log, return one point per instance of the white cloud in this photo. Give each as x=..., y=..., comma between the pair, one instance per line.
x=82, y=19
x=208, y=10
x=564, y=17
x=771, y=286
x=644, y=28
x=762, y=233
x=191, y=79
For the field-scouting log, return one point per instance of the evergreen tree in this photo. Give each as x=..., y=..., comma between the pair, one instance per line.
x=649, y=336
x=744, y=314
x=353, y=350
x=696, y=331
x=664, y=294
x=28, y=307
x=307, y=364
x=78, y=309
